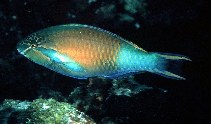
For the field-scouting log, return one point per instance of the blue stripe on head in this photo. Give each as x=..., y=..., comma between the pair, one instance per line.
x=61, y=59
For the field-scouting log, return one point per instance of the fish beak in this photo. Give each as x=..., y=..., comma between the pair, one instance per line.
x=23, y=48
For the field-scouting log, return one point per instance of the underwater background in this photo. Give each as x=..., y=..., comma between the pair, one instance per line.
x=30, y=93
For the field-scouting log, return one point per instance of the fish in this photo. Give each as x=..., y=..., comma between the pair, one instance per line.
x=83, y=51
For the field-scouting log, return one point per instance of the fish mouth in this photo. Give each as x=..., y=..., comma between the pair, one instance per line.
x=23, y=48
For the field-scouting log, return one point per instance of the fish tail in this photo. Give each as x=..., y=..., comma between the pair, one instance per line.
x=168, y=65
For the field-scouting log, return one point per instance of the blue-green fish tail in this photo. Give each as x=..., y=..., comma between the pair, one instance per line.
x=168, y=65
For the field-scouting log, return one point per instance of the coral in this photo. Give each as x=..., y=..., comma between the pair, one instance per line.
x=127, y=87
x=106, y=11
x=42, y=111
x=134, y=6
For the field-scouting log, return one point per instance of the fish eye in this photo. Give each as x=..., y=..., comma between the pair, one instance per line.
x=33, y=46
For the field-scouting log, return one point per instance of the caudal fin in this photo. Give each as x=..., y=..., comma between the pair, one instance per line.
x=168, y=65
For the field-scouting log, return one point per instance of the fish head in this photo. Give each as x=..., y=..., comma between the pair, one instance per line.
x=39, y=49
x=26, y=45
x=30, y=48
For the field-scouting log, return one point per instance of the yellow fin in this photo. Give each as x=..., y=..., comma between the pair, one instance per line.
x=168, y=65
x=174, y=57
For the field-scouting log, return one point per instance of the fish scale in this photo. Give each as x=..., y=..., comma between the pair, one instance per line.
x=94, y=59
x=83, y=51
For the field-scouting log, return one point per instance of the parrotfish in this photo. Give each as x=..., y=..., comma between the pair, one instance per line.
x=83, y=51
